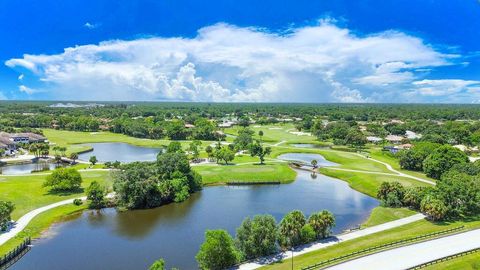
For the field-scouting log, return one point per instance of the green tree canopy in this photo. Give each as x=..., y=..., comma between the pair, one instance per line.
x=217, y=251
x=257, y=237
x=443, y=159
x=64, y=179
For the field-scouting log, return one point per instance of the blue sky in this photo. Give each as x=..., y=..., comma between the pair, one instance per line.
x=258, y=51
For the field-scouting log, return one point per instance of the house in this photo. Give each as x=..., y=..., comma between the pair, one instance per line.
x=391, y=149
x=394, y=139
x=7, y=145
x=16, y=138
x=412, y=135
x=461, y=147
x=189, y=126
x=405, y=146
x=373, y=139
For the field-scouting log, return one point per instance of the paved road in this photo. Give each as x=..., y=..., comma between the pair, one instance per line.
x=329, y=242
x=413, y=255
x=22, y=222
x=390, y=168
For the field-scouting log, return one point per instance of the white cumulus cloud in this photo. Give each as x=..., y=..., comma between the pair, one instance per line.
x=227, y=63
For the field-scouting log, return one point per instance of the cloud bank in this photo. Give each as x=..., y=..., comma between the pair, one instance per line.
x=320, y=63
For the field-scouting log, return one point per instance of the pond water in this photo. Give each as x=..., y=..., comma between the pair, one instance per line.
x=309, y=145
x=122, y=152
x=307, y=158
x=18, y=169
x=109, y=239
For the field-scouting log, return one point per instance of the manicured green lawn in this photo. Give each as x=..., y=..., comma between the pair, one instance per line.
x=369, y=183
x=276, y=133
x=469, y=262
x=40, y=223
x=403, y=232
x=382, y=214
x=27, y=192
x=377, y=154
x=213, y=174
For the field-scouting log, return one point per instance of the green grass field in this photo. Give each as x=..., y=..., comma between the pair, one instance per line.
x=27, y=192
x=381, y=215
x=72, y=139
x=369, y=183
x=41, y=223
x=469, y=262
x=221, y=174
x=275, y=133
x=403, y=232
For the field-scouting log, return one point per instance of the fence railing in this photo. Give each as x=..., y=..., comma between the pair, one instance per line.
x=446, y=258
x=12, y=256
x=380, y=247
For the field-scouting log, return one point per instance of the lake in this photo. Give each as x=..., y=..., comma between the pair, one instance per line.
x=122, y=152
x=18, y=169
x=109, y=239
x=310, y=145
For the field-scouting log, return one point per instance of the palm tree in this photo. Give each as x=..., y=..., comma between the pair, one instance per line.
x=260, y=134
x=73, y=157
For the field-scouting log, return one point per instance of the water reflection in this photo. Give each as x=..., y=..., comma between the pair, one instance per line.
x=122, y=152
x=307, y=158
x=18, y=169
x=132, y=240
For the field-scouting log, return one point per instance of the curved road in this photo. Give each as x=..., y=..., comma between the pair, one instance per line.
x=22, y=222
x=416, y=254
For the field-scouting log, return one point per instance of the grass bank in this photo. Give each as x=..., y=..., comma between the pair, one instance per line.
x=469, y=262
x=399, y=233
x=221, y=174
x=382, y=215
x=369, y=183
x=27, y=192
x=41, y=223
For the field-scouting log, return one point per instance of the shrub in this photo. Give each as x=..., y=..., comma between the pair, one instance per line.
x=6, y=209
x=434, y=208
x=290, y=227
x=308, y=234
x=322, y=223
x=64, y=179
x=77, y=202
x=96, y=195
x=257, y=237
x=391, y=194
x=217, y=251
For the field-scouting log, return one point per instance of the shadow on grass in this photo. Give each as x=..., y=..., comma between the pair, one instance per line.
x=61, y=192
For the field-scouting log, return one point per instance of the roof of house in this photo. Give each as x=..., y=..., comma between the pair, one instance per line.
x=373, y=139
x=394, y=138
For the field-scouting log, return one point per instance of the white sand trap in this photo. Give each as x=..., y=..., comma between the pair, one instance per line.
x=275, y=128
x=299, y=133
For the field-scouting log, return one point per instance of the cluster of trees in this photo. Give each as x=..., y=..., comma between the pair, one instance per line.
x=456, y=195
x=432, y=158
x=6, y=209
x=64, y=180
x=342, y=133
x=96, y=194
x=262, y=236
x=157, y=128
x=151, y=184
x=39, y=149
